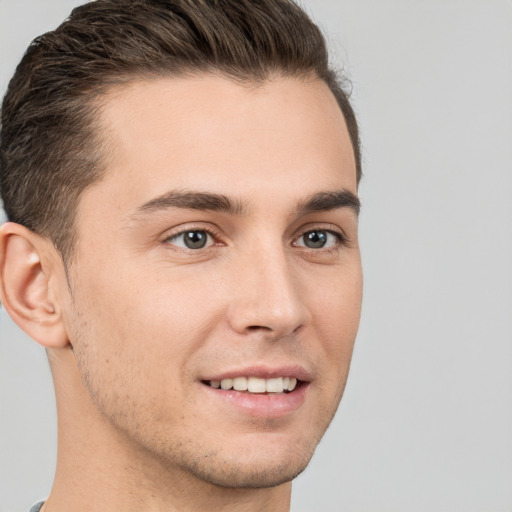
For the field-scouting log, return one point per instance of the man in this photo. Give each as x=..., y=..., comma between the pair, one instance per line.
x=180, y=179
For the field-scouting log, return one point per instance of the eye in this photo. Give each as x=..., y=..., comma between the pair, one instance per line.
x=191, y=239
x=319, y=239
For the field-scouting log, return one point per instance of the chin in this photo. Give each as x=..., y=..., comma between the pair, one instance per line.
x=251, y=477
x=266, y=464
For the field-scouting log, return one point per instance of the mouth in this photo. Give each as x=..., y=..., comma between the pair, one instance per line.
x=257, y=385
x=259, y=391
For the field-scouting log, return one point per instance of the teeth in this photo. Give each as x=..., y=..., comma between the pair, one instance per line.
x=240, y=384
x=256, y=384
x=274, y=385
x=226, y=383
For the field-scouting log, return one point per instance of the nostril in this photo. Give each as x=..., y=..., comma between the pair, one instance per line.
x=258, y=327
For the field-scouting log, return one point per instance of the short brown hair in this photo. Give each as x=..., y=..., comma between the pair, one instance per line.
x=49, y=151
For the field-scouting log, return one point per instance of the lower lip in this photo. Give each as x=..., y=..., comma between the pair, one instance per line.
x=261, y=405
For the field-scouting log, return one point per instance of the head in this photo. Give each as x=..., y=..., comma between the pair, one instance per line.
x=182, y=179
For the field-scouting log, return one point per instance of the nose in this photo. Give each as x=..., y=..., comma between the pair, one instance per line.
x=267, y=296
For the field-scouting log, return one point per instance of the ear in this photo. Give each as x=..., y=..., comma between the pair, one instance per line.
x=28, y=275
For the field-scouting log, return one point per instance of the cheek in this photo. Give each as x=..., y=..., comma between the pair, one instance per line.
x=110, y=334
x=149, y=325
x=337, y=311
x=337, y=305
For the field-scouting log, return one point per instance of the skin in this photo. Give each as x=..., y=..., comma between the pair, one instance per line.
x=144, y=320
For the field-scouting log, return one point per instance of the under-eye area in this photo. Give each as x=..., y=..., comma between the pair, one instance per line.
x=258, y=385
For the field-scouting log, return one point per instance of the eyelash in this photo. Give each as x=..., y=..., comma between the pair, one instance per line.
x=341, y=238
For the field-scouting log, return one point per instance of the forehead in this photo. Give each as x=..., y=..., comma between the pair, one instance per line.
x=209, y=131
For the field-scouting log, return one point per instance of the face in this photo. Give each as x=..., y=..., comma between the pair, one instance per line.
x=216, y=285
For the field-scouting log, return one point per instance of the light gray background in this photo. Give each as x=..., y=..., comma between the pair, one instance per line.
x=426, y=421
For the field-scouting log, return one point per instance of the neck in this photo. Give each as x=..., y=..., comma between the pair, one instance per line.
x=98, y=466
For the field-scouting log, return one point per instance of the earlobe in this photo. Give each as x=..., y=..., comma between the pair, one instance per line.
x=25, y=285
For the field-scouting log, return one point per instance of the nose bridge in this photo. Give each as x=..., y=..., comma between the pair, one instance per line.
x=268, y=295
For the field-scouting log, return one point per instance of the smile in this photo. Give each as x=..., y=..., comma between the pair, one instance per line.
x=256, y=384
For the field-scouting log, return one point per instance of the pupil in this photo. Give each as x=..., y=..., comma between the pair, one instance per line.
x=315, y=239
x=195, y=239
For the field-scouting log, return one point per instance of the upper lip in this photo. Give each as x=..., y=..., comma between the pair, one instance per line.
x=264, y=372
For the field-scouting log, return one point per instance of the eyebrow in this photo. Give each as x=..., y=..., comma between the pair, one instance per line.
x=325, y=201
x=321, y=201
x=193, y=201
